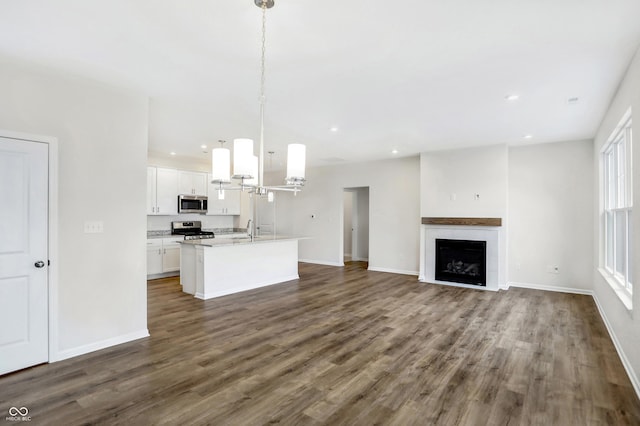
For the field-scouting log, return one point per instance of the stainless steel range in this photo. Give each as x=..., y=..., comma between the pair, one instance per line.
x=191, y=230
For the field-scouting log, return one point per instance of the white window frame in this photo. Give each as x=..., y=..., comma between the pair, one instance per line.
x=616, y=195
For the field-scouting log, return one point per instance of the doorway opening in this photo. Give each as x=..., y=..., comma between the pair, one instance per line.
x=355, y=224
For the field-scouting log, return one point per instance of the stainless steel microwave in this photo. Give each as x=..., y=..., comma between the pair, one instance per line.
x=192, y=204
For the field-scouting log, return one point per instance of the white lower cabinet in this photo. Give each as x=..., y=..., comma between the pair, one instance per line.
x=170, y=255
x=154, y=256
x=163, y=255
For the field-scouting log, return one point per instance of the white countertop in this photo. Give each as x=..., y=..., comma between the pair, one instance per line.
x=219, y=242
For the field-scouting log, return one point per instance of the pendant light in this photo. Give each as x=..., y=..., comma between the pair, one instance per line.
x=247, y=167
x=242, y=158
x=220, y=166
x=295, y=163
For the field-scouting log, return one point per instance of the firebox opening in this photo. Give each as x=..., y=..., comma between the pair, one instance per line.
x=461, y=261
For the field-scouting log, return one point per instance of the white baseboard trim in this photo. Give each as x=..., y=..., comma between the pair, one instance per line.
x=360, y=259
x=321, y=262
x=549, y=288
x=96, y=346
x=393, y=271
x=234, y=290
x=616, y=343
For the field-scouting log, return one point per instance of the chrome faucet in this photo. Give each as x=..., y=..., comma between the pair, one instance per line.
x=250, y=229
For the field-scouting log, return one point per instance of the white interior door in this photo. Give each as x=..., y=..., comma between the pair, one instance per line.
x=23, y=254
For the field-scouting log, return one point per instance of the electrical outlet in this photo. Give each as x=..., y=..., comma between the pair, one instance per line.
x=93, y=227
x=553, y=269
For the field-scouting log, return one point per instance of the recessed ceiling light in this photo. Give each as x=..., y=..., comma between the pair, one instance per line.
x=395, y=151
x=172, y=153
x=334, y=129
x=527, y=136
x=203, y=146
x=512, y=97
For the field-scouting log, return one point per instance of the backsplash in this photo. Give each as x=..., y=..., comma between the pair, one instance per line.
x=163, y=223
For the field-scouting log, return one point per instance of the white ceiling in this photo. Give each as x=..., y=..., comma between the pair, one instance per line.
x=411, y=75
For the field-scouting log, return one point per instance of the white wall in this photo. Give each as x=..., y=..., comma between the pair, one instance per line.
x=451, y=179
x=394, y=212
x=102, y=133
x=363, y=224
x=625, y=325
x=180, y=163
x=550, y=203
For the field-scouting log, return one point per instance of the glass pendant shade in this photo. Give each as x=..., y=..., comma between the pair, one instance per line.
x=253, y=171
x=296, y=162
x=242, y=158
x=220, y=165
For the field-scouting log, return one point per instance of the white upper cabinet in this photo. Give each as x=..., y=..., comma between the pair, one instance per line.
x=229, y=206
x=167, y=191
x=151, y=190
x=162, y=191
x=193, y=183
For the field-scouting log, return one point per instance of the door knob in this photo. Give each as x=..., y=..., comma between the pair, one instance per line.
x=39, y=264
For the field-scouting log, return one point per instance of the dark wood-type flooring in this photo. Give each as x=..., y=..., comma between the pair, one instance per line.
x=344, y=346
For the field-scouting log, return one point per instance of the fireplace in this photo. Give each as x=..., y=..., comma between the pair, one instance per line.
x=461, y=261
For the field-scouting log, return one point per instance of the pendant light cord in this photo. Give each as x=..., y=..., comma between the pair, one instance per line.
x=264, y=49
x=262, y=94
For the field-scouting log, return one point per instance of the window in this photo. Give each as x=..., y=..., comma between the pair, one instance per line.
x=617, y=199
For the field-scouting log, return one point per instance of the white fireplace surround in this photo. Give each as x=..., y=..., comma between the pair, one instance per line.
x=429, y=234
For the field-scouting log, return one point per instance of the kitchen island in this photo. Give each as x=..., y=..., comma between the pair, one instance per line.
x=220, y=266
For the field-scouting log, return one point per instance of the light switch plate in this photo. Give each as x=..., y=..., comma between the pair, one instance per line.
x=93, y=227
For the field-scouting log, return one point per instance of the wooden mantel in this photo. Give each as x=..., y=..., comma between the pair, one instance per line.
x=463, y=221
